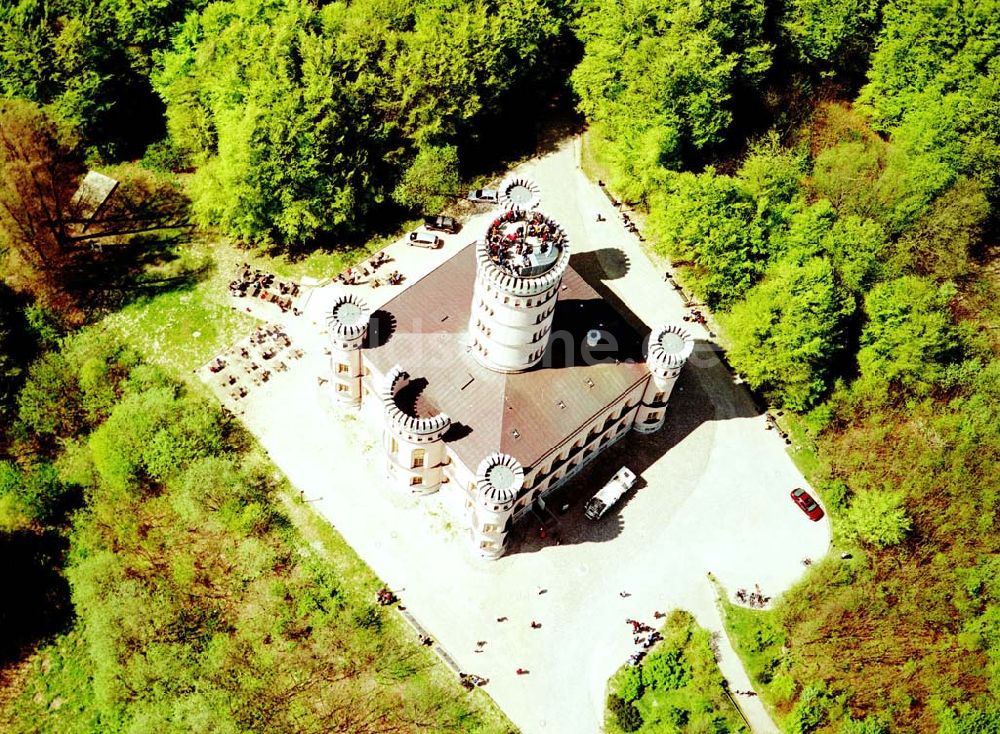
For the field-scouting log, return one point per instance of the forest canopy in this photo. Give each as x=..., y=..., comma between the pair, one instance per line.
x=823, y=175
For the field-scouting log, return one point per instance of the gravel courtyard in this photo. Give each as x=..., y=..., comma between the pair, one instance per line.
x=712, y=495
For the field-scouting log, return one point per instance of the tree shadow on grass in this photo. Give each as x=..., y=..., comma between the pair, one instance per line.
x=36, y=601
x=109, y=278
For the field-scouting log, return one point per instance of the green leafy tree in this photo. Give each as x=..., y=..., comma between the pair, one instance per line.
x=932, y=83
x=302, y=119
x=630, y=683
x=909, y=339
x=877, y=518
x=89, y=63
x=154, y=435
x=788, y=332
x=868, y=725
x=49, y=403
x=35, y=495
x=712, y=223
x=430, y=180
x=832, y=36
x=665, y=669
x=627, y=716
x=944, y=241
x=659, y=78
x=809, y=711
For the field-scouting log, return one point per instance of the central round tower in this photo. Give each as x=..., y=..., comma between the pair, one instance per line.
x=519, y=266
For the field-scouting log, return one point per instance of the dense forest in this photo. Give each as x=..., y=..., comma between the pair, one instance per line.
x=825, y=176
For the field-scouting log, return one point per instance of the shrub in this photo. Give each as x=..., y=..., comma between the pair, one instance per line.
x=676, y=717
x=630, y=684
x=809, y=711
x=666, y=669
x=627, y=716
x=867, y=725
x=877, y=518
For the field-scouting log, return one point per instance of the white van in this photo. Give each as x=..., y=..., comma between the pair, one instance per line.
x=610, y=493
x=425, y=239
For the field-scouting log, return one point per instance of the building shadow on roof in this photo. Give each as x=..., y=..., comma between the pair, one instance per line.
x=571, y=322
x=457, y=431
x=598, y=266
x=381, y=327
x=705, y=392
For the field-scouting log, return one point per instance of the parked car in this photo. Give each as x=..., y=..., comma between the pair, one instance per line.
x=484, y=196
x=807, y=504
x=610, y=493
x=425, y=239
x=441, y=223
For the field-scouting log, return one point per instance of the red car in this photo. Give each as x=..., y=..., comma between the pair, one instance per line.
x=807, y=504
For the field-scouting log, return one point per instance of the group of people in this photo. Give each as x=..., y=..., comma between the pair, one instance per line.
x=696, y=316
x=265, y=343
x=255, y=283
x=384, y=597
x=643, y=634
x=514, y=236
x=355, y=276
x=470, y=681
x=754, y=599
x=393, y=278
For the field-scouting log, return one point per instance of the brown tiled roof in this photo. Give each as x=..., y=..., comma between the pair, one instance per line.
x=423, y=329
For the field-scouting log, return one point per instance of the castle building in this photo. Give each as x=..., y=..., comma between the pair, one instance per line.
x=501, y=374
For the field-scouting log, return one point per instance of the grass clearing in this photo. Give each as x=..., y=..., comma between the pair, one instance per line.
x=55, y=696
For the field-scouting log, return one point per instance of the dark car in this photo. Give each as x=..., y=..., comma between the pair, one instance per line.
x=807, y=504
x=441, y=223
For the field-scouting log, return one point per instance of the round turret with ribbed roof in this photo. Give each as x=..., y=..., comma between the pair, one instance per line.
x=499, y=480
x=347, y=321
x=347, y=326
x=670, y=346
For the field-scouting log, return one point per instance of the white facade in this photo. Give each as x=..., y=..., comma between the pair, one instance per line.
x=669, y=348
x=499, y=479
x=414, y=446
x=519, y=267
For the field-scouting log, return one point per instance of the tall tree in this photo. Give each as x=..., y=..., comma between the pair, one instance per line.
x=38, y=175
x=658, y=78
x=788, y=333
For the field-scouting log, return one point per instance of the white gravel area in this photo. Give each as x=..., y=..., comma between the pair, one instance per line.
x=712, y=497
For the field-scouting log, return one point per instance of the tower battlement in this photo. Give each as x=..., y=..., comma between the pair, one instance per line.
x=670, y=346
x=404, y=419
x=347, y=321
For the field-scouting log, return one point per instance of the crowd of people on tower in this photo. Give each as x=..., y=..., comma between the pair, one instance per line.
x=514, y=236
